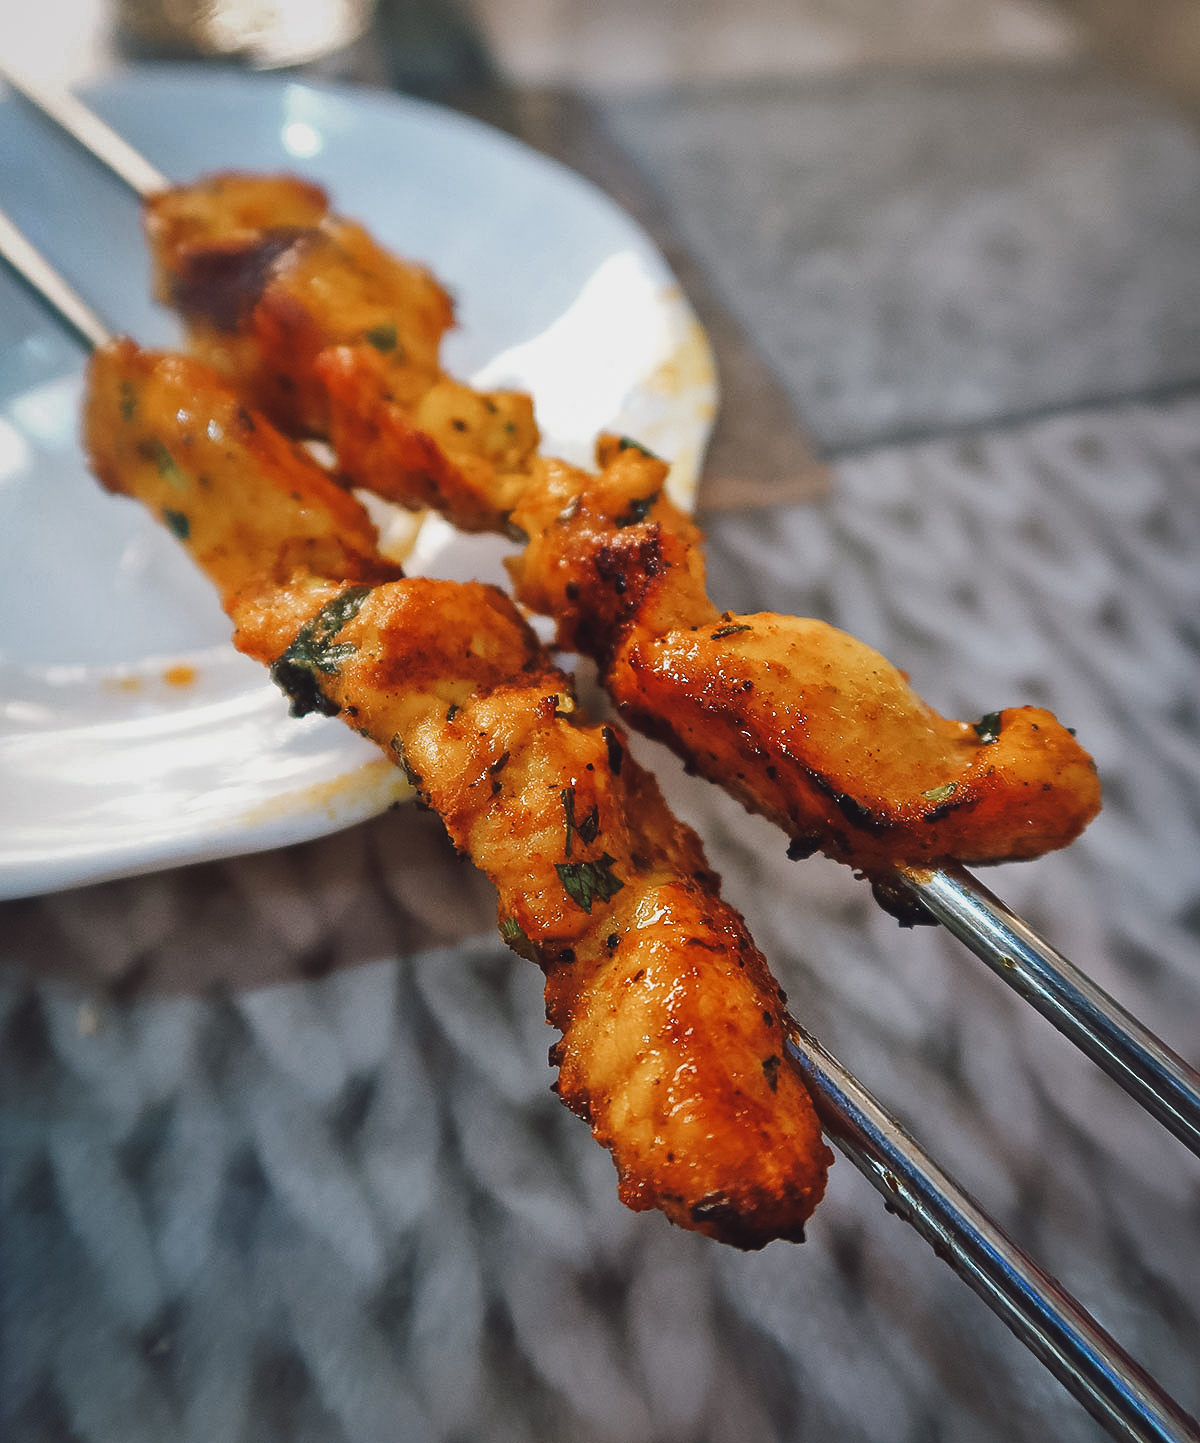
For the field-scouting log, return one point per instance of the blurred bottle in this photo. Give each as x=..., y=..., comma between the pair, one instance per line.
x=261, y=33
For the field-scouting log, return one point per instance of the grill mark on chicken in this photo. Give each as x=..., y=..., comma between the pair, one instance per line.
x=221, y=285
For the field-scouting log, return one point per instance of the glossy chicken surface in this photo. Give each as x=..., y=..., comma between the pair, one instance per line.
x=672, y=1028
x=798, y=720
x=270, y=282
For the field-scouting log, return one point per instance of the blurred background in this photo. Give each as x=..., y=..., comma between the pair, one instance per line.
x=280, y=1159
x=626, y=46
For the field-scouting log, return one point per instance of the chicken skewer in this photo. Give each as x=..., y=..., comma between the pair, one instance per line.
x=338, y=340
x=1057, y=1329
x=1162, y=1082
x=672, y=1027
x=620, y=570
x=335, y=338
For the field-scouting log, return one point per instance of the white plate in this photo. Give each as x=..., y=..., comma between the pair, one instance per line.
x=132, y=736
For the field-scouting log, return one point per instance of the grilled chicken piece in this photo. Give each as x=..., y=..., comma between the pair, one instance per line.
x=267, y=279
x=797, y=720
x=673, y=1029
x=161, y=427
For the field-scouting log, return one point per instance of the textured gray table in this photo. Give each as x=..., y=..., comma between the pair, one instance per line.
x=279, y=1157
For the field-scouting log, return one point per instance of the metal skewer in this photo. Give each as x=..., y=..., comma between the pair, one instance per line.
x=1149, y=1071
x=32, y=266
x=1146, y=1068
x=1044, y=1316
x=97, y=138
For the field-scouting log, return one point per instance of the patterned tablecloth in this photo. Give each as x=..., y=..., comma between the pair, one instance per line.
x=278, y=1155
